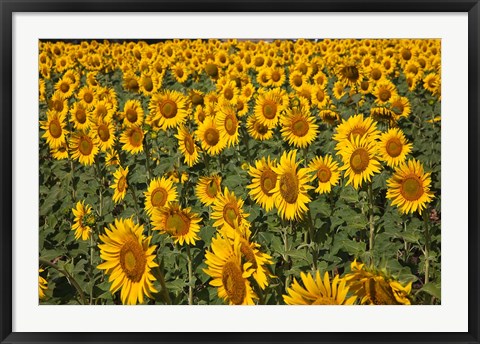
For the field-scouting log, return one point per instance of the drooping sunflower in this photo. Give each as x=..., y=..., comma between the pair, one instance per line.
x=54, y=128
x=228, y=213
x=112, y=158
x=227, y=122
x=400, y=106
x=230, y=275
x=298, y=127
x=42, y=284
x=133, y=113
x=210, y=137
x=258, y=130
x=330, y=115
x=269, y=106
x=375, y=288
x=160, y=193
x=61, y=152
x=409, y=187
x=264, y=180
x=169, y=108
x=181, y=224
x=187, y=146
x=359, y=160
x=326, y=173
x=120, y=184
x=319, y=292
x=58, y=103
x=355, y=126
x=83, y=220
x=128, y=260
x=350, y=72
x=290, y=192
x=393, y=147
x=132, y=139
x=208, y=189
x=83, y=147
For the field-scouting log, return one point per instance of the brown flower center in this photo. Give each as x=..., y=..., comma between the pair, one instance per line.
x=168, y=108
x=189, y=144
x=131, y=115
x=85, y=145
x=231, y=215
x=268, y=179
x=394, y=147
x=324, y=174
x=122, y=184
x=289, y=187
x=300, y=127
x=212, y=136
x=234, y=283
x=177, y=224
x=55, y=128
x=212, y=189
x=269, y=109
x=159, y=197
x=412, y=188
x=136, y=137
x=231, y=125
x=133, y=260
x=359, y=160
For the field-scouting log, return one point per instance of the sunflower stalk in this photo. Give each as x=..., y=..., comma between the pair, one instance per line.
x=427, y=247
x=190, y=276
x=69, y=277
x=161, y=278
x=371, y=220
x=147, y=160
x=311, y=230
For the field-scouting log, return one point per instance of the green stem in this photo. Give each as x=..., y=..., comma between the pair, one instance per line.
x=372, y=225
x=74, y=192
x=161, y=278
x=190, y=277
x=67, y=275
x=311, y=230
x=286, y=258
x=427, y=247
x=147, y=161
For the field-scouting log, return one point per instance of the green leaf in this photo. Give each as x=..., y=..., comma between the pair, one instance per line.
x=433, y=289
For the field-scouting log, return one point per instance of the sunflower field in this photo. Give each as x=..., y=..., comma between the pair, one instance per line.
x=240, y=172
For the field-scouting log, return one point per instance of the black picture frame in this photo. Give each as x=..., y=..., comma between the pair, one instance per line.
x=9, y=7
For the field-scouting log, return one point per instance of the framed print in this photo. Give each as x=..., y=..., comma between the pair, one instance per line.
x=206, y=171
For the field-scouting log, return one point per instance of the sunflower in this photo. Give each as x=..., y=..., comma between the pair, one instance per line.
x=87, y=95
x=320, y=97
x=181, y=224
x=349, y=72
x=296, y=79
x=374, y=288
x=65, y=87
x=228, y=213
x=393, y=147
x=187, y=146
x=227, y=122
x=400, y=106
x=277, y=76
x=264, y=180
x=132, y=139
x=384, y=91
x=61, y=152
x=104, y=134
x=148, y=83
x=359, y=160
x=409, y=187
x=133, y=113
x=208, y=189
x=355, y=126
x=161, y=192
x=318, y=292
x=290, y=192
x=326, y=173
x=269, y=105
x=130, y=82
x=128, y=259
x=112, y=158
x=83, y=147
x=54, y=128
x=210, y=137
x=230, y=275
x=42, y=285
x=79, y=116
x=329, y=116
x=120, y=184
x=298, y=127
x=83, y=220
x=258, y=130
x=432, y=83
x=169, y=108
x=242, y=106
x=339, y=89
